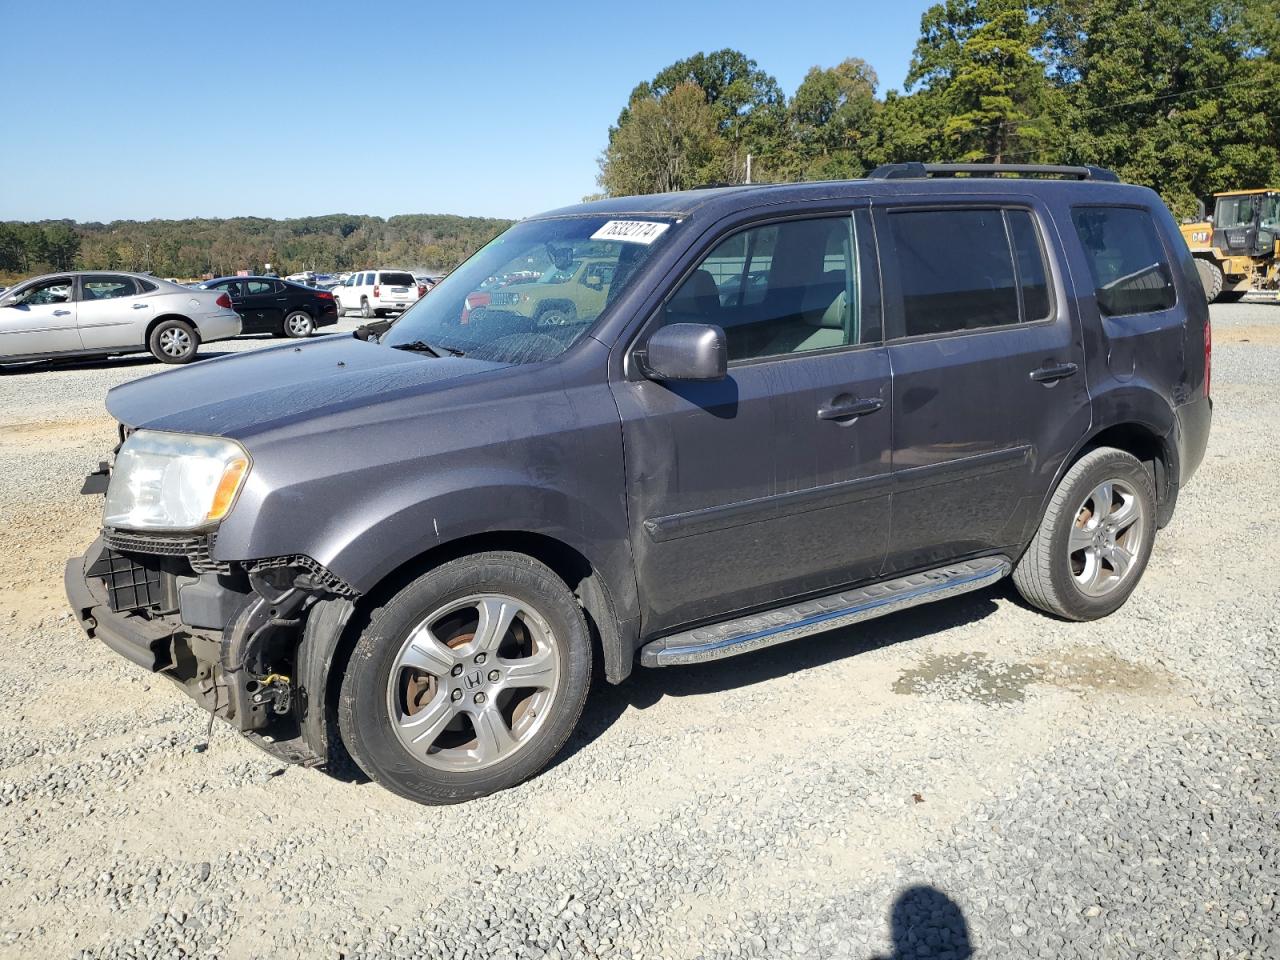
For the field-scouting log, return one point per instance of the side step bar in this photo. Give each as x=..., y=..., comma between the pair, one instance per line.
x=732, y=637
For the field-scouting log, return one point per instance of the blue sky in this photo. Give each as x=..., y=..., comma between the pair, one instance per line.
x=140, y=110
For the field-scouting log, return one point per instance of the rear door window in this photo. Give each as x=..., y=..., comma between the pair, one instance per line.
x=1028, y=253
x=955, y=269
x=107, y=288
x=256, y=288
x=1126, y=259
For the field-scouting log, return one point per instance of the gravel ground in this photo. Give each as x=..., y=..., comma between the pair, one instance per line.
x=970, y=778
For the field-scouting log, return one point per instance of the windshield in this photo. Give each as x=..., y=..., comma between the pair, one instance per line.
x=1271, y=212
x=1234, y=212
x=524, y=297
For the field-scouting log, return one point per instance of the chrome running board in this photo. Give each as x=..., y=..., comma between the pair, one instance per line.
x=732, y=637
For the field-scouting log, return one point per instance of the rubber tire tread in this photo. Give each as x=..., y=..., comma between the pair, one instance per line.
x=1038, y=580
x=1211, y=277
x=374, y=747
x=153, y=341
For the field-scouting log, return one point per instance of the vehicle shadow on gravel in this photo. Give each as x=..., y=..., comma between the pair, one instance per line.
x=102, y=363
x=646, y=687
x=925, y=922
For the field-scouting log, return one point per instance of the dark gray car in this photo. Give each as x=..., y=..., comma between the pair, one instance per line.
x=796, y=407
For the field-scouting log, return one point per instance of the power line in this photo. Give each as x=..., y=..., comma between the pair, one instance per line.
x=1153, y=98
x=1224, y=125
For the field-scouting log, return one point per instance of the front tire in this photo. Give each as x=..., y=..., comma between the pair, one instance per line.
x=467, y=681
x=299, y=324
x=174, y=341
x=1094, y=540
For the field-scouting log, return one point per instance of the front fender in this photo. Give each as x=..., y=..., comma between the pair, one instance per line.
x=370, y=545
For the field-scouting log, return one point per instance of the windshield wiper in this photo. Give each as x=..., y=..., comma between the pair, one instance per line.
x=421, y=346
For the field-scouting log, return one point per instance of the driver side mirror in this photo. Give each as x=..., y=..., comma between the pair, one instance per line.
x=686, y=351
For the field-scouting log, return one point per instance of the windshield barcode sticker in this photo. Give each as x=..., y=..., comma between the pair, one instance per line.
x=631, y=231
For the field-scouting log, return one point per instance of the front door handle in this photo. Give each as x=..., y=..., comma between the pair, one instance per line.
x=62, y=313
x=847, y=409
x=1054, y=372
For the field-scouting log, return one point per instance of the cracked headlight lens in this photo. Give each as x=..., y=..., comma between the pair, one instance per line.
x=174, y=481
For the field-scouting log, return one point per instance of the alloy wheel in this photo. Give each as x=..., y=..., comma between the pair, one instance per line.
x=473, y=683
x=1106, y=538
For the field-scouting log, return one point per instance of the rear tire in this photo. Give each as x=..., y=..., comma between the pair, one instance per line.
x=366, y=311
x=1210, y=277
x=1094, y=540
x=298, y=323
x=493, y=707
x=174, y=341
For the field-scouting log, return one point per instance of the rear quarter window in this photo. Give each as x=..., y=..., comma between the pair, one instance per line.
x=1127, y=262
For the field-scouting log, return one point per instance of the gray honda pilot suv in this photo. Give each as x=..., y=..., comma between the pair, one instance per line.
x=769, y=411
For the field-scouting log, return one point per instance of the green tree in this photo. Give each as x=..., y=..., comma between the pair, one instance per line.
x=666, y=142
x=980, y=58
x=1179, y=95
x=832, y=120
x=747, y=104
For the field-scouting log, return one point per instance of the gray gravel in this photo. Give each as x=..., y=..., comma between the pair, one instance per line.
x=971, y=778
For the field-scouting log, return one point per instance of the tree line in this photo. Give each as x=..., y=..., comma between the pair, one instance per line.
x=197, y=248
x=1179, y=95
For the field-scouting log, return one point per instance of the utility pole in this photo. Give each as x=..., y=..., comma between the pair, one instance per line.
x=748, y=168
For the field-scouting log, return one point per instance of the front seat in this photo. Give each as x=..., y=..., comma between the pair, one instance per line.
x=816, y=331
x=697, y=300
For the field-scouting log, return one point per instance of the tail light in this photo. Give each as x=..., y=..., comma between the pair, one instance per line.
x=224, y=302
x=422, y=289
x=324, y=295
x=1208, y=353
x=376, y=294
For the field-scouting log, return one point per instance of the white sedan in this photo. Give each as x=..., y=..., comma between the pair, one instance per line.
x=81, y=314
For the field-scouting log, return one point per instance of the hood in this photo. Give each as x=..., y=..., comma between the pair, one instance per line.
x=240, y=395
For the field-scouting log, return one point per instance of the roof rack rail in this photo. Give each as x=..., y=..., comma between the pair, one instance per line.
x=924, y=171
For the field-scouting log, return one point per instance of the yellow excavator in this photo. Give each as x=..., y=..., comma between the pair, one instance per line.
x=1238, y=248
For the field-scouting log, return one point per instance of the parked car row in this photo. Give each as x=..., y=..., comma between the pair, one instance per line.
x=86, y=314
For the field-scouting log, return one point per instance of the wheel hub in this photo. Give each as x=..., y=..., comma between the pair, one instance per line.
x=473, y=699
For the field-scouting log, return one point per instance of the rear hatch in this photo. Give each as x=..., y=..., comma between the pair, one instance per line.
x=396, y=288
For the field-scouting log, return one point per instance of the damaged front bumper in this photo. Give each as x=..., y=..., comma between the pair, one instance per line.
x=228, y=634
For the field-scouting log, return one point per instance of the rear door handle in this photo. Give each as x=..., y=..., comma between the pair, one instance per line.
x=139, y=306
x=846, y=409
x=62, y=313
x=1054, y=372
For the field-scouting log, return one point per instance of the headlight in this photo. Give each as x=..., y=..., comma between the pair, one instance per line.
x=173, y=481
